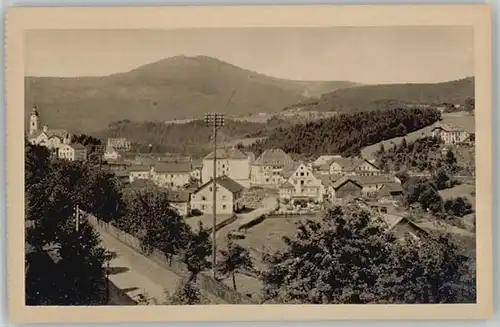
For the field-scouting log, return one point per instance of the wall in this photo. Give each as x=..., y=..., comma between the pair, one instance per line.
x=204, y=281
x=224, y=200
x=173, y=180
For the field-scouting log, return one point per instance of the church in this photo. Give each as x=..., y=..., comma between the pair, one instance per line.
x=57, y=140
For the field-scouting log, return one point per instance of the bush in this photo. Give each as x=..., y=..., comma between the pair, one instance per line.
x=196, y=212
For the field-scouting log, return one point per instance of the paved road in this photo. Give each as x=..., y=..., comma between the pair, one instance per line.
x=137, y=274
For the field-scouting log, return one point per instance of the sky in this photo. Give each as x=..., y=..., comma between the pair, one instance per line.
x=371, y=55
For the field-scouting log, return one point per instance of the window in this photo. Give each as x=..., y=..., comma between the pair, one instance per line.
x=301, y=182
x=223, y=166
x=223, y=206
x=210, y=189
x=302, y=174
x=202, y=207
x=203, y=198
x=296, y=174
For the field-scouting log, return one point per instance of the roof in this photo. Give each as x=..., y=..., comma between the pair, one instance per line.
x=172, y=167
x=290, y=168
x=60, y=133
x=178, y=196
x=139, y=168
x=388, y=188
x=453, y=128
x=373, y=179
x=230, y=153
x=326, y=180
x=287, y=185
x=343, y=180
x=77, y=146
x=226, y=182
x=273, y=157
x=324, y=159
x=197, y=163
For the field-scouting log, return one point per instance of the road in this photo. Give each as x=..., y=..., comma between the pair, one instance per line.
x=136, y=274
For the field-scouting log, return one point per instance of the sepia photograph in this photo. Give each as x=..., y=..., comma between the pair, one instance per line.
x=261, y=165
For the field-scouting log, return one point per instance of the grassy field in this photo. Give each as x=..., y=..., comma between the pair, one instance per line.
x=462, y=190
x=460, y=118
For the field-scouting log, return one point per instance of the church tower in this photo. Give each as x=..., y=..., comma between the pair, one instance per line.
x=34, y=120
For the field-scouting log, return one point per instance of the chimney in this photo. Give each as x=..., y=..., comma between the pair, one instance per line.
x=45, y=128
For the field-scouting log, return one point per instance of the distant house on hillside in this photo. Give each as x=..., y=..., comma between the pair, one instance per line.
x=231, y=162
x=451, y=134
x=322, y=160
x=228, y=192
x=173, y=175
x=267, y=169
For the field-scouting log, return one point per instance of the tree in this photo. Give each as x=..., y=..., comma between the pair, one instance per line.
x=187, y=294
x=150, y=216
x=459, y=206
x=350, y=258
x=425, y=193
x=470, y=104
x=235, y=258
x=64, y=266
x=195, y=253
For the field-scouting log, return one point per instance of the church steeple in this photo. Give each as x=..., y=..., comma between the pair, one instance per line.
x=34, y=120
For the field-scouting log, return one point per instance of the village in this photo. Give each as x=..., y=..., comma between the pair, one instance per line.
x=273, y=184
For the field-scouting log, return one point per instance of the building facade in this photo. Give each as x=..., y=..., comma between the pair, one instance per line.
x=450, y=134
x=174, y=175
x=228, y=193
x=267, y=170
x=302, y=184
x=231, y=162
x=72, y=152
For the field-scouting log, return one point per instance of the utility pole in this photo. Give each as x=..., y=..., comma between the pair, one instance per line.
x=214, y=120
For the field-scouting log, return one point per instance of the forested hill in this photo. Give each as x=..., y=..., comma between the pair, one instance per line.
x=347, y=133
x=192, y=138
x=373, y=97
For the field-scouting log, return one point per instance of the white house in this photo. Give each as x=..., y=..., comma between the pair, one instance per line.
x=301, y=184
x=180, y=201
x=72, y=152
x=231, y=162
x=196, y=169
x=350, y=166
x=450, y=134
x=120, y=144
x=173, y=175
x=136, y=172
x=228, y=194
x=111, y=153
x=268, y=167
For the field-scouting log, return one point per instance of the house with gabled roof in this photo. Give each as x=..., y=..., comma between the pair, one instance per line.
x=228, y=193
x=301, y=183
x=267, y=169
x=350, y=166
x=180, y=200
x=139, y=172
x=231, y=162
x=72, y=152
x=374, y=183
x=452, y=134
x=174, y=175
x=345, y=188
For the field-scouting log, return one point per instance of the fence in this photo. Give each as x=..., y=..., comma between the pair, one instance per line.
x=205, y=282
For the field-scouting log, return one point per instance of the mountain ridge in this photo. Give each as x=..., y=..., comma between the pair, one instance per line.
x=172, y=88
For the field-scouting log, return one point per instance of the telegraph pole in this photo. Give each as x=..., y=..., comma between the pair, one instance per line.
x=214, y=120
